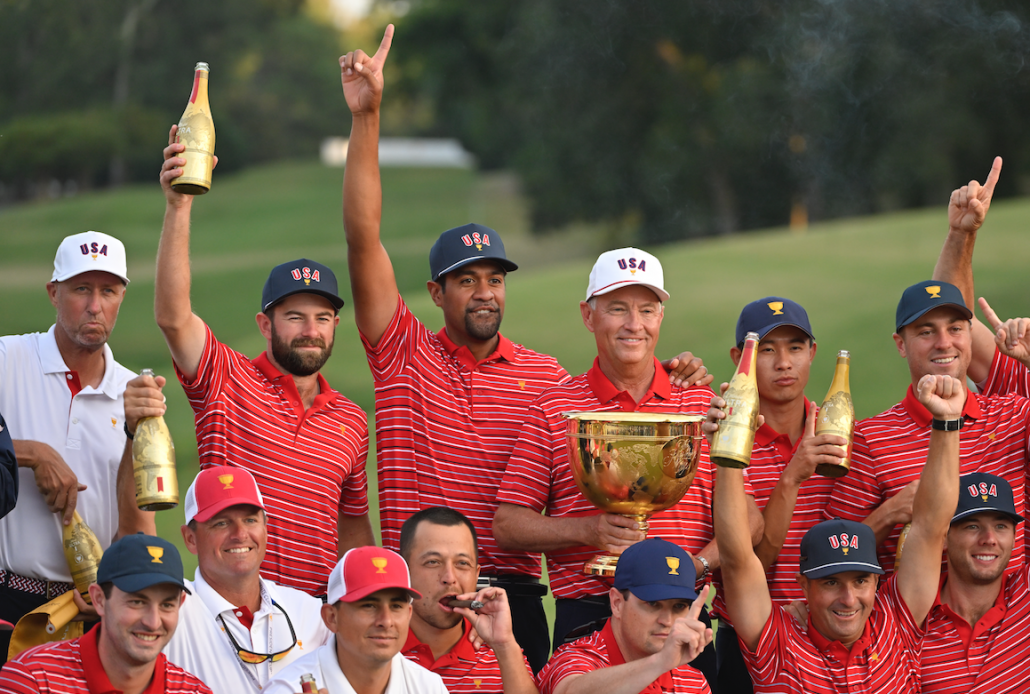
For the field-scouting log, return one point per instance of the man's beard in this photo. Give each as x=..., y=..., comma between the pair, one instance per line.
x=299, y=363
x=483, y=328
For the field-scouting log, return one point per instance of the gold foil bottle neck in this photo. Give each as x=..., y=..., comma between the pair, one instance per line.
x=731, y=446
x=83, y=553
x=837, y=415
x=197, y=132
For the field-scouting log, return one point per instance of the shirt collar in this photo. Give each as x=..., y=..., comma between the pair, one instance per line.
x=615, y=657
x=842, y=652
x=325, y=392
x=462, y=651
x=921, y=416
x=218, y=605
x=96, y=677
x=52, y=362
x=990, y=618
x=767, y=436
x=505, y=350
x=605, y=391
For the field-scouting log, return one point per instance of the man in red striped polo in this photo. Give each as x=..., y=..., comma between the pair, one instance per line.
x=274, y=415
x=439, y=545
x=976, y=632
x=623, y=309
x=857, y=638
x=138, y=593
x=783, y=461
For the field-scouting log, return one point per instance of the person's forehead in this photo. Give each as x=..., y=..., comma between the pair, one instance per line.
x=98, y=278
x=847, y=576
x=432, y=537
x=985, y=517
x=237, y=511
x=633, y=294
x=157, y=593
x=785, y=333
x=942, y=315
x=305, y=302
x=480, y=267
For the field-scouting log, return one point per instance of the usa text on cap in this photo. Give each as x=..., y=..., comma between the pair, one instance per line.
x=979, y=492
x=836, y=546
x=466, y=244
x=366, y=570
x=926, y=296
x=297, y=277
x=624, y=267
x=89, y=251
x=218, y=488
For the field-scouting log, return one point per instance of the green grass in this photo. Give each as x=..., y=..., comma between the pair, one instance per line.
x=848, y=274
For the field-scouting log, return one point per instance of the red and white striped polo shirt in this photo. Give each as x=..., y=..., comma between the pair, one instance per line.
x=1006, y=376
x=463, y=669
x=769, y=458
x=445, y=425
x=309, y=466
x=538, y=475
x=988, y=657
x=73, y=667
x=884, y=660
x=890, y=451
x=600, y=650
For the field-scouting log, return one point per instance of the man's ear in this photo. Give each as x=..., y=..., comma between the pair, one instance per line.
x=435, y=292
x=899, y=341
x=264, y=324
x=735, y=355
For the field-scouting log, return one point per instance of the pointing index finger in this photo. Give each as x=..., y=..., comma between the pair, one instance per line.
x=992, y=178
x=989, y=314
x=384, y=46
x=695, y=609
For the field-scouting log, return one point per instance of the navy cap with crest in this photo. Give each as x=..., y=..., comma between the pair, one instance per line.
x=979, y=492
x=300, y=276
x=656, y=569
x=836, y=546
x=466, y=244
x=926, y=296
x=136, y=562
x=765, y=315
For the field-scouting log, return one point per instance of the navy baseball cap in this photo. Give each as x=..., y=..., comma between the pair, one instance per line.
x=979, y=492
x=836, y=546
x=466, y=244
x=300, y=276
x=136, y=562
x=926, y=296
x=656, y=569
x=765, y=315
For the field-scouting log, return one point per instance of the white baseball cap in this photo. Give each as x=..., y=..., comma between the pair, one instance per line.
x=88, y=251
x=624, y=267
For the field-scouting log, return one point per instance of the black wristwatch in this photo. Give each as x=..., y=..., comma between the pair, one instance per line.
x=946, y=424
x=127, y=432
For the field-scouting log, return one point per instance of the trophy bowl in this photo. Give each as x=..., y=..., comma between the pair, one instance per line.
x=632, y=463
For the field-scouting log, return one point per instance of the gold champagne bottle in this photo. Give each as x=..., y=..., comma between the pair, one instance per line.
x=153, y=464
x=837, y=415
x=82, y=552
x=732, y=444
x=197, y=132
x=308, y=685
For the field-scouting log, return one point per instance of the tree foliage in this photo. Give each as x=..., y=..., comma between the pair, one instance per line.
x=717, y=115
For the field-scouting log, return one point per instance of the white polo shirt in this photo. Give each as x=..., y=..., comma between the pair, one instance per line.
x=406, y=677
x=200, y=645
x=87, y=431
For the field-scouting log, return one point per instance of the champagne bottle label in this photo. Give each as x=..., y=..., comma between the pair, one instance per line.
x=197, y=132
x=731, y=447
x=82, y=552
x=837, y=416
x=153, y=464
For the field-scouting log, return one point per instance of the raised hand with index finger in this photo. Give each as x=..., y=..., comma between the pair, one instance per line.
x=1012, y=336
x=362, y=76
x=968, y=206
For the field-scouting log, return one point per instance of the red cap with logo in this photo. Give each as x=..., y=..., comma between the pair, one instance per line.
x=365, y=570
x=218, y=488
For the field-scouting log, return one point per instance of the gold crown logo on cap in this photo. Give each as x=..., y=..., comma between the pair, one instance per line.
x=226, y=480
x=380, y=564
x=777, y=307
x=674, y=563
x=156, y=553
x=934, y=291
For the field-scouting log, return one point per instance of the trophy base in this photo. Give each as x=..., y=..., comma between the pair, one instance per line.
x=828, y=470
x=601, y=565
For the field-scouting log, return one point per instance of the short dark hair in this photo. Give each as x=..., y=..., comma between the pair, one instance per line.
x=438, y=515
x=107, y=587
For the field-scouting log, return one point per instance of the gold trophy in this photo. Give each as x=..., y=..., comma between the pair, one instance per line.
x=837, y=416
x=82, y=552
x=197, y=132
x=632, y=463
x=731, y=446
x=153, y=464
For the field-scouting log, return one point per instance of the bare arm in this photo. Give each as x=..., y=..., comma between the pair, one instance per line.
x=811, y=451
x=743, y=576
x=493, y=624
x=521, y=529
x=687, y=638
x=54, y=479
x=372, y=280
x=967, y=210
x=935, y=500
x=183, y=330
x=353, y=531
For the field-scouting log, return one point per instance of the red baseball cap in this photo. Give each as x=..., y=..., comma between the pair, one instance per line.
x=218, y=488
x=365, y=570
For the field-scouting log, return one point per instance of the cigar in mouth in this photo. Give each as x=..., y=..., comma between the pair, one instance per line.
x=471, y=604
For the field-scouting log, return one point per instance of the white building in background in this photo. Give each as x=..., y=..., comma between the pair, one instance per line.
x=405, y=151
